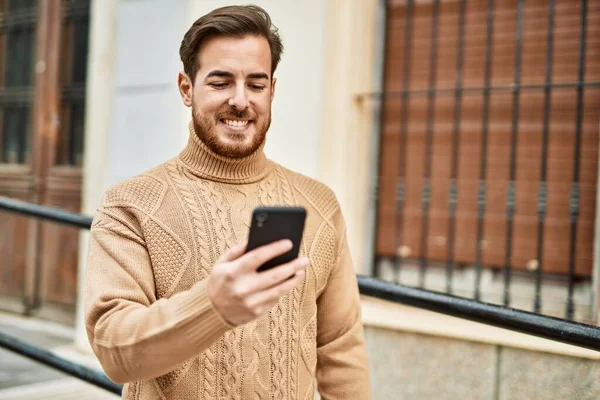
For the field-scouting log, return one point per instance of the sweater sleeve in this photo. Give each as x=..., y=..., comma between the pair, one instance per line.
x=342, y=366
x=134, y=335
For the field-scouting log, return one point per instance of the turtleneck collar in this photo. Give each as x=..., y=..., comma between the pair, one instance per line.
x=206, y=164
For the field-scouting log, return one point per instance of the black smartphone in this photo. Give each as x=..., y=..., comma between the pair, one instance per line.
x=270, y=224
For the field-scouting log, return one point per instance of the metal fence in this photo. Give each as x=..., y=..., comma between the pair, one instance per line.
x=517, y=88
x=46, y=357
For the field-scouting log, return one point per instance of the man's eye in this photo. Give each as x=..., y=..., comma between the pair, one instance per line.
x=257, y=87
x=219, y=85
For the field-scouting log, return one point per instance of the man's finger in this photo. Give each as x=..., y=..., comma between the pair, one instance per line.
x=275, y=276
x=233, y=253
x=257, y=257
x=273, y=294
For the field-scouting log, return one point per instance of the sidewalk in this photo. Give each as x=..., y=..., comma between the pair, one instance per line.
x=21, y=378
x=58, y=389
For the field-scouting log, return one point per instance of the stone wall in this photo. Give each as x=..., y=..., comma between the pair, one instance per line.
x=414, y=366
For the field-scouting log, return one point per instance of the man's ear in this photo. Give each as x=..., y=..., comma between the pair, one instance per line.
x=185, y=88
x=273, y=82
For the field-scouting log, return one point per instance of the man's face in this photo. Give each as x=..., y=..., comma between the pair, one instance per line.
x=231, y=94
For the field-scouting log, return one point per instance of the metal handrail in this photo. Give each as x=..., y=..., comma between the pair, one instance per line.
x=569, y=332
x=46, y=213
x=559, y=330
x=50, y=359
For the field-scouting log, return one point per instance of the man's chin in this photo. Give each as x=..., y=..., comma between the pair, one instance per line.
x=234, y=146
x=236, y=138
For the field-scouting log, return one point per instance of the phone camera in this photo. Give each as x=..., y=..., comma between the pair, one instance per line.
x=262, y=217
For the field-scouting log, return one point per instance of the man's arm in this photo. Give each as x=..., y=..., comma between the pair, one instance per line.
x=135, y=336
x=342, y=366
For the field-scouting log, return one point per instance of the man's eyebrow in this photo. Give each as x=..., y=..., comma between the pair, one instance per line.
x=258, y=75
x=219, y=74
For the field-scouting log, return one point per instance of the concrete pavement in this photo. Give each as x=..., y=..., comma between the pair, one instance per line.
x=21, y=378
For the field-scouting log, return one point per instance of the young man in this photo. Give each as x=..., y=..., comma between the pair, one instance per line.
x=174, y=308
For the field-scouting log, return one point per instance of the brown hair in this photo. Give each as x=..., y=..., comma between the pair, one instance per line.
x=236, y=21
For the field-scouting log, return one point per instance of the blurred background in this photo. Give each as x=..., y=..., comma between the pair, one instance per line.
x=460, y=136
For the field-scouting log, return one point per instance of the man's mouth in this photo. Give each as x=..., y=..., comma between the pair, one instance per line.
x=238, y=124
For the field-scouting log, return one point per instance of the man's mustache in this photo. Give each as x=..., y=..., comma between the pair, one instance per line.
x=235, y=113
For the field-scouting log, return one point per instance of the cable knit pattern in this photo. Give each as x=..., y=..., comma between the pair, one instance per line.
x=280, y=350
x=157, y=237
x=259, y=389
x=266, y=193
x=209, y=378
x=323, y=252
x=168, y=254
x=199, y=222
x=293, y=337
x=167, y=381
x=111, y=223
x=197, y=217
x=317, y=194
x=309, y=340
x=284, y=187
x=223, y=227
x=143, y=193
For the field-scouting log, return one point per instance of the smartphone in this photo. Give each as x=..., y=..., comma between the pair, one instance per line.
x=270, y=224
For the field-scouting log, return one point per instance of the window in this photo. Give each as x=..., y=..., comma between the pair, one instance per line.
x=489, y=150
x=17, y=45
x=74, y=51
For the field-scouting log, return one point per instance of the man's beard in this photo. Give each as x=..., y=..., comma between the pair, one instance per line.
x=206, y=130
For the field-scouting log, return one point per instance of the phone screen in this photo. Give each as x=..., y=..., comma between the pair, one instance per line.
x=270, y=224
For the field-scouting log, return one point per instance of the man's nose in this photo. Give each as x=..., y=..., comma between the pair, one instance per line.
x=239, y=99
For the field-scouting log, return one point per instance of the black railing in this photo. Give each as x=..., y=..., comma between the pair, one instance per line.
x=573, y=333
x=574, y=203
x=480, y=74
x=52, y=360
x=47, y=213
x=511, y=192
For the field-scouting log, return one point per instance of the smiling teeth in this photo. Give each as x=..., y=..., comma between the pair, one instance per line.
x=236, y=124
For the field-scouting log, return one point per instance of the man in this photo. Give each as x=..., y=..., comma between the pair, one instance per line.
x=174, y=308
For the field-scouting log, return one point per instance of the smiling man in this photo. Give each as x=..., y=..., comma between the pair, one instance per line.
x=174, y=308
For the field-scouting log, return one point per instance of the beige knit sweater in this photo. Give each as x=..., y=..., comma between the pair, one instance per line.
x=150, y=320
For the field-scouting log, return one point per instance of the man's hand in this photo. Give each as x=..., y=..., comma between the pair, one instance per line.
x=240, y=294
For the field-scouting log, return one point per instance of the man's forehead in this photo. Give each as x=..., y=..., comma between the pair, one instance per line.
x=247, y=55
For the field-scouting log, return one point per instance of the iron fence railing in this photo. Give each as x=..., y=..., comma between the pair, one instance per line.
x=50, y=359
x=411, y=14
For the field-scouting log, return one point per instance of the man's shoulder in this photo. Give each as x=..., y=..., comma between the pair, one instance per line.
x=316, y=193
x=143, y=191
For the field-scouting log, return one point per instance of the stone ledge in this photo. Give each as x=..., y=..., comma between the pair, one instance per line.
x=384, y=314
